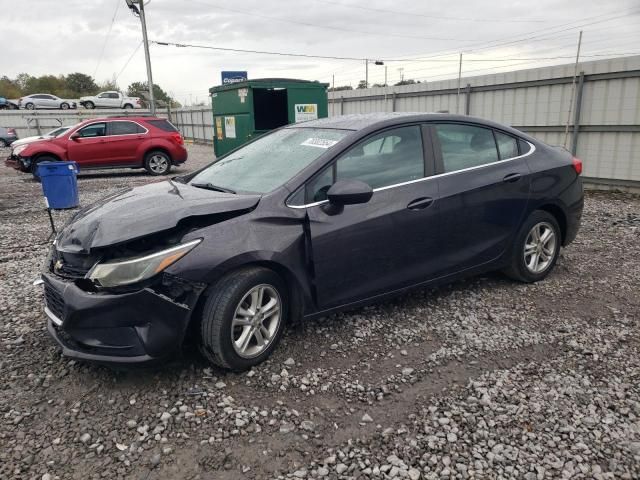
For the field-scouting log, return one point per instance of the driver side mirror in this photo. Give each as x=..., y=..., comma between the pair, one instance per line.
x=74, y=136
x=349, y=192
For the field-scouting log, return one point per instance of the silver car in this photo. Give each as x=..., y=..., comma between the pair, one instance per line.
x=56, y=132
x=45, y=100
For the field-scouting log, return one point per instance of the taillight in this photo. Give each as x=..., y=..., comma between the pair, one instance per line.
x=176, y=137
x=11, y=131
x=577, y=165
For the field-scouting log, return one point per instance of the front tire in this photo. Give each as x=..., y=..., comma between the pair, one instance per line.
x=128, y=106
x=157, y=163
x=243, y=318
x=34, y=165
x=30, y=106
x=536, y=248
x=89, y=105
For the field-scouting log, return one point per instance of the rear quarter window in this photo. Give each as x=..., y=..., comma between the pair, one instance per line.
x=162, y=125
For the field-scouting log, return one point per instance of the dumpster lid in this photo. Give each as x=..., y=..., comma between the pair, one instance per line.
x=270, y=83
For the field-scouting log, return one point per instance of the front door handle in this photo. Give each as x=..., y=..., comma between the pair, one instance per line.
x=512, y=177
x=420, y=203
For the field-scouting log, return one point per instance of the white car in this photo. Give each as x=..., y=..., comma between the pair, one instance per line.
x=110, y=100
x=52, y=134
x=45, y=100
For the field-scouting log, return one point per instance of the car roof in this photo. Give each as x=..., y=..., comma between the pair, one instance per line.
x=361, y=121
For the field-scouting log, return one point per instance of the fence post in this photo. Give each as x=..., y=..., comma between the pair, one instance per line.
x=38, y=125
x=576, y=115
x=193, y=128
x=341, y=105
x=467, y=98
x=393, y=102
x=169, y=111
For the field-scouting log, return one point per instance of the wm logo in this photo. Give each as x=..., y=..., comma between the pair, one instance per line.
x=306, y=108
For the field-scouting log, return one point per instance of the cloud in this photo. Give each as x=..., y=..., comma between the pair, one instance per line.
x=63, y=37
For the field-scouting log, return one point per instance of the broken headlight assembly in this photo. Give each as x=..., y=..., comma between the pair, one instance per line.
x=120, y=272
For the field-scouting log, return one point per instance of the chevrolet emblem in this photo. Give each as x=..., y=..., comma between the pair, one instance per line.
x=58, y=265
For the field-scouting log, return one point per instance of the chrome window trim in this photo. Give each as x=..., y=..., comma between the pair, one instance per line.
x=146, y=130
x=468, y=169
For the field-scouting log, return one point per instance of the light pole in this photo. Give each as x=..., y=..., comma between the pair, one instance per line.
x=140, y=13
x=366, y=70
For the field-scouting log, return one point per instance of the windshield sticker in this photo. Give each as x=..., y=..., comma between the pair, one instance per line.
x=319, y=142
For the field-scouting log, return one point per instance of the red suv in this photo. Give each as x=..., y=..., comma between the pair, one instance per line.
x=116, y=142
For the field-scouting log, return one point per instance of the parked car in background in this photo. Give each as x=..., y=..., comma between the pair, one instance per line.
x=53, y=133
x=7, y=136
x=110, y=100
x=308, y=220
x=6, y=104
x=152, y=143
x=45, y=100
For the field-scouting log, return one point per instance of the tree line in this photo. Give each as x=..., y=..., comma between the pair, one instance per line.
x=72, y=85
x=362, y=84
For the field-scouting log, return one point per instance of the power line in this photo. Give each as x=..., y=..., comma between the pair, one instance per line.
x=326, y=27
x=128, y=60
x=436, y=17
x=106, y=39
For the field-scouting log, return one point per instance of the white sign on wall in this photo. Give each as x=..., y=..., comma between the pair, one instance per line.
x=306, y=111
x=230, y=127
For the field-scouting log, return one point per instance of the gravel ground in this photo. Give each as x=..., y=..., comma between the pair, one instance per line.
x=484, y=378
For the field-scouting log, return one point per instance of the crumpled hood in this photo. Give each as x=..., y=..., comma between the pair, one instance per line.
x=136, y=212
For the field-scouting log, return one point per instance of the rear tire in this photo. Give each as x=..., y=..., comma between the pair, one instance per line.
x=64, y=106
x=536, y=248
x=128, y=106
x=157, y=162
x=3, y=143
x=240, y=327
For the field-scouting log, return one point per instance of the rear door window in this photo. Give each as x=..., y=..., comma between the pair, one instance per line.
x=162, y=124
x=465, y=146
x=124, y=128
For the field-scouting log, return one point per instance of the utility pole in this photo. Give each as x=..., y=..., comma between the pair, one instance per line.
x=573, y=89
x=459, y=79
x=139, y=12
x=385, y=76
x=333, y=81
x=366, y=73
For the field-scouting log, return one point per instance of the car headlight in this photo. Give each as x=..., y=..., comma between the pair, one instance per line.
x=115, y=273
x=18, y=149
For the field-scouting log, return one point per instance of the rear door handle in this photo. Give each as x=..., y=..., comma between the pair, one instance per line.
x=512, y=177
x=420, y=203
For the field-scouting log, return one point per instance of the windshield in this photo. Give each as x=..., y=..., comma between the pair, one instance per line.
x=270, y=161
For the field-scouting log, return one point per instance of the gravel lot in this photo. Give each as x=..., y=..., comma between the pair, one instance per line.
x=484, y=378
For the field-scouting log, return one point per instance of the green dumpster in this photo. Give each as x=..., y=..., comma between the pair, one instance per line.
x=244, y=110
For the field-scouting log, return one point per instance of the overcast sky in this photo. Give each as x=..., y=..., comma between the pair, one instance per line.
x=46, y=36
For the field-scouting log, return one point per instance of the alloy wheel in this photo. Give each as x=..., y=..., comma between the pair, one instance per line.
x=256, y=321
x=158, y=164
x=540, y=247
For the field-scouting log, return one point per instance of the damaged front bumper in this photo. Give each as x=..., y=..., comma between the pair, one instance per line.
x=18, y=162
x=136, y=327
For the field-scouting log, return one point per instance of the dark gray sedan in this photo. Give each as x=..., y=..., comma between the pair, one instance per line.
x=308, y=220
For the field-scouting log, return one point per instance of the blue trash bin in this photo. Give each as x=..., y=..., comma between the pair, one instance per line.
x=59, y=183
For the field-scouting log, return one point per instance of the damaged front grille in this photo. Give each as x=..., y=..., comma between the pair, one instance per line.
x=53, y=300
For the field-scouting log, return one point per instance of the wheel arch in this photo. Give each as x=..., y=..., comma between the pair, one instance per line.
x=560, y=216
x=156, y=148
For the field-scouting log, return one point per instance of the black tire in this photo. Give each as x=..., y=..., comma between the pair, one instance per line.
x=157, y=163
x=222, y=300
x=518, y=268
x=30, y=106
x=89, y=105
x=34, y=165
x=128, y=106
x=3, y=143
x=64, y=106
